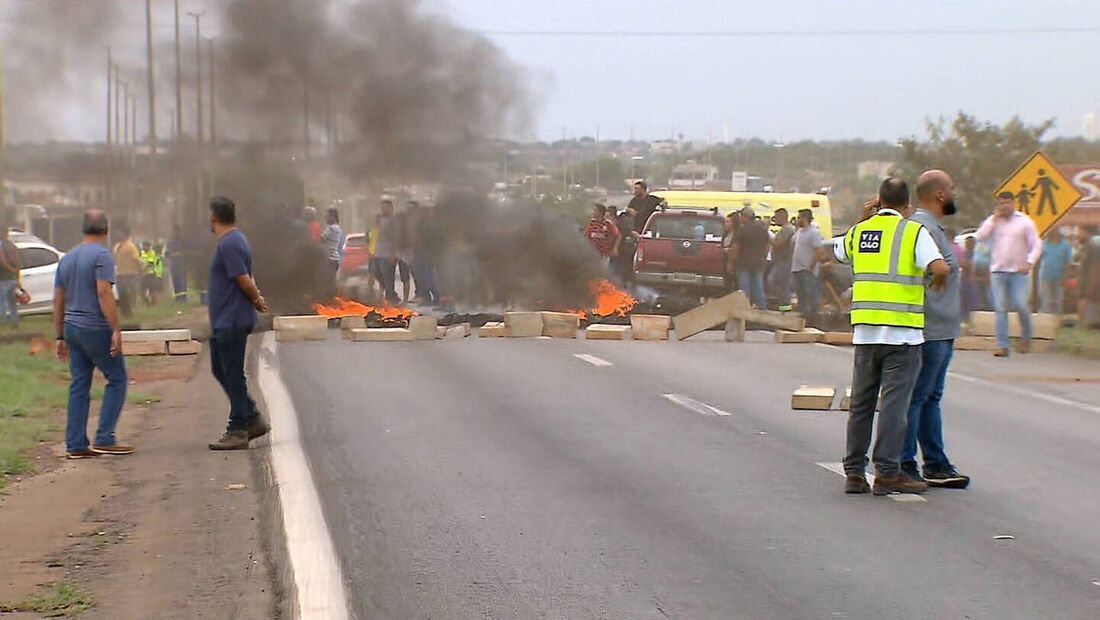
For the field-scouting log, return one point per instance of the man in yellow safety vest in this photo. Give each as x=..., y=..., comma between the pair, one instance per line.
x=890, y=256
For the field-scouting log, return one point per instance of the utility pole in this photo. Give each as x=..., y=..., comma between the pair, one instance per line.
x=125, y=114
x=213, y=130
x=3, y=188
x=152, y=86
x=118, y=108
x=110, y=71
x=305, y=113
x=179, y=81
x=198, y=69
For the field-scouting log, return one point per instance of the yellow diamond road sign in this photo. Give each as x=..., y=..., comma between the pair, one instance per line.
x=1040, y=191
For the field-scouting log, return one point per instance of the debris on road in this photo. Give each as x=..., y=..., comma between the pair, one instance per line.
x=607, y=332
x=813, y=397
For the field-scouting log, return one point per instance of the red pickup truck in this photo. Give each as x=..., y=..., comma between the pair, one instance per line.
x=681, y=250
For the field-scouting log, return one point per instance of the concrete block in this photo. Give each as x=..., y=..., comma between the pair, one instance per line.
x=301, y=323
x=381, y=334
x=492, y=330
x=158, y=347
x=815, y=397
x=838, y=338
x=156, y=335
x=776, y=320
x=560, y=324
x=735, y=330
x=349, y=323
x=306, y=327
x=457, y=332
x=523, y=324
x=423, y=327
x=808, y=334
x=607, y=332
x=1043, y=326
x=650, y=326
x=714, y=312
x=184, y=347
x=440, y=332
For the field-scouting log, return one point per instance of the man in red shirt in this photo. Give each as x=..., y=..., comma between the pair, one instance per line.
x=313, y=225
x=602, y=234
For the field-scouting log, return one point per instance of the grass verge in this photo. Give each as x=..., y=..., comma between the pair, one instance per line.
x=34, y=386
x=66, y=598
x=1080, y=340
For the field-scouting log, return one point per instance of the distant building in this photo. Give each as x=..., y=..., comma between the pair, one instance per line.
x=664, y=147
x=874, y=169
x=692, y=176
x=1088, y=125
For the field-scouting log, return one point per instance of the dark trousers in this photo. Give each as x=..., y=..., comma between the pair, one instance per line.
x=424, y=273
x=178, y=269
x=807, y=288
x=227, y=348
x=386, y=267
x=894, y=370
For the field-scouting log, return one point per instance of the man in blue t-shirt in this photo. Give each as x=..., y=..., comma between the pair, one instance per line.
x=85, y=318
x=233, y=302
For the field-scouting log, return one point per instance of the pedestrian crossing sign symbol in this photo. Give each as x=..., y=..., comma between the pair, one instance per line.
x=1040, y=192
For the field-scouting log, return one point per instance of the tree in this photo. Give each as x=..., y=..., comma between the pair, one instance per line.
x=978, y=155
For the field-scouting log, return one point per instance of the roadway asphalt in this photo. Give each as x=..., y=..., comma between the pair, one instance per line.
x=512, y=479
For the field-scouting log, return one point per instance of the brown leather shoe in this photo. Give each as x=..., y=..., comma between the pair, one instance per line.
x=1023, y=346
x=86, y=453
x=258, y=427
x=855, y=485
x=1000, y=353
x=231, y=440
x=898, y=483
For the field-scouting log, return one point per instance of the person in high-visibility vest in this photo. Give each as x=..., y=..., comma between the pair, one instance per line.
x=890, y=256
x=152, y=270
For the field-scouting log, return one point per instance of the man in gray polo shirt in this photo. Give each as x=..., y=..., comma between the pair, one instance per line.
x=942, y=315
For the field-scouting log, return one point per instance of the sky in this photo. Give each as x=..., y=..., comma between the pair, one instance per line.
x=801, y=86
x=828, y=69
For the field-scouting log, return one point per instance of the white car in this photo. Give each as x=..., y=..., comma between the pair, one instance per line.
x=39, y=261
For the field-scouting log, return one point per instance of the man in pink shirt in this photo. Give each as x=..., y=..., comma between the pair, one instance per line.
x=1015, y=250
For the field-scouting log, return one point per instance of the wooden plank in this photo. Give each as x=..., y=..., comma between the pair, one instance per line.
x=776, y=320
x=492, y=330
x=607, y=332
x=813, y=397
x=838, y=338
x=156, y=335
x=714, y=312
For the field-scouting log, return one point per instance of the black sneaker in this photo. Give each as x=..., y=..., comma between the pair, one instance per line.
x=909, y=468
x=258, y=427
x=946, y=477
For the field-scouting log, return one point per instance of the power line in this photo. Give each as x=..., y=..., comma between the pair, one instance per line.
x=790, y=33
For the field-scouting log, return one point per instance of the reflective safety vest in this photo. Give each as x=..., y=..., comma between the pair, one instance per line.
x=887, y=284
x=152, y=263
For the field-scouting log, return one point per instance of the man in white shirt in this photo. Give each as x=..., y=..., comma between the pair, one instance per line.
x=887, y=315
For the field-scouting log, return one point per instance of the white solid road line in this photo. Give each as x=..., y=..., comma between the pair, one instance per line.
x=838, y=468
x=693, y=405
x=1050, y=398
x=592, y=359
x=318, y=581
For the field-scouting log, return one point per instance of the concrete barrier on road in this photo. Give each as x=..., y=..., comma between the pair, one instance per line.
x=156, y=335
x=650, y=326
x=423, y=327
x=457, y=332
x=492, y=330
x=807, y=335
x=560, y=324
x=523, y=324
x=813, y=397
x=714, y=312
x=156, y=347
x=607, y=332
x=838, y=338
x=184, y=347
x=381, y=334
x=305, y=327
x=1043, y=326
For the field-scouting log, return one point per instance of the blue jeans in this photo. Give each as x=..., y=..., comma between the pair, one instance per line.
x=925, y=418
x=752, y=282
x=806, y=287
x=8, y=311
x=90, y=349
x=227, y=349
x=1010, y=293
x=424, y=273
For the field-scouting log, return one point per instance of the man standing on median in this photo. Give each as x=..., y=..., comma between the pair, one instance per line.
x=889, y=256
x=1015, y=248
x=942, y=316
x=233, y=303
x=85, y=318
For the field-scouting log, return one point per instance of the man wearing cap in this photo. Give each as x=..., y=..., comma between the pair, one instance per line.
x=1015, y=248
x=889, y=256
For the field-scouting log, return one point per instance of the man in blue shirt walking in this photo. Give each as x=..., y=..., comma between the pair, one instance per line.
x=233, y=303
x=85, y=318
x=1056, y=254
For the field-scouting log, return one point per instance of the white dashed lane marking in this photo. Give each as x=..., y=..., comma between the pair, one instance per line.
x=592, y=359
x=838, y=468
x=693, y=405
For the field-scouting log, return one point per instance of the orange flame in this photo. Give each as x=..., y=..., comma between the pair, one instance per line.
x=610, y=300
x=345, y=307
